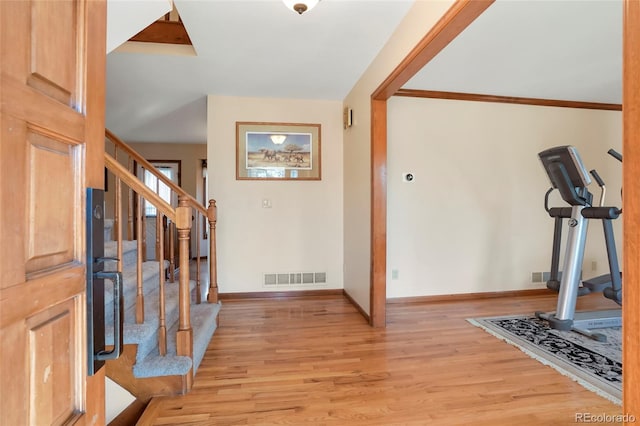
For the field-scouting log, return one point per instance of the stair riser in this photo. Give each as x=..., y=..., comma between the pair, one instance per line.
x=130, y=289
x=151, y=325
x=129, y=257
x=204, y=323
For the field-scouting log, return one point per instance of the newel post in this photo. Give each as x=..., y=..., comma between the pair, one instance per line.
x=184, y=338
x=212, y=213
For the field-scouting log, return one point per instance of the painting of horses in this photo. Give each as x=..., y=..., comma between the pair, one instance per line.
x=278, y=151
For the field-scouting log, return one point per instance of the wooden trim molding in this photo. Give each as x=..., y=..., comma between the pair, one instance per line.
x=468, y=296
x=454, y=21
x=356, y=305
x=434, y=94
x=279, y=294
x=130, y=415
x=378, y=282
x=631, y=208
x=150, y=412
x=169, y=32
x=457, y=18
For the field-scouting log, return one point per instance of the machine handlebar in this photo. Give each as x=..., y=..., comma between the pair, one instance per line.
x=603, y=189
x=597, y=178
x=615, y=154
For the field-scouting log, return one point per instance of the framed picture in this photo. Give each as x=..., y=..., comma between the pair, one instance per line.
x=277, y=151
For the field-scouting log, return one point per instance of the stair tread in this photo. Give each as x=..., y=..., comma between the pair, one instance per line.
x=149, y=363
x=111, y=247
x=203, y=324
x=150, y=272
x=129, y=254
x=145, y=335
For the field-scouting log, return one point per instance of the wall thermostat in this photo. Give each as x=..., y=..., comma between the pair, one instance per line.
x=407, y=177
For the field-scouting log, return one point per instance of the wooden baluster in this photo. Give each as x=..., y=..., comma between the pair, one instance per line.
x=172, y=252
x=130, y=207
x=139, y=290
x=197, y=234
x=117, y=213
x=162, y=329
x=184, y=337
x=165, y=236
x=212, y=214
x=144, y=230
x=157, y=216
x=118, y=229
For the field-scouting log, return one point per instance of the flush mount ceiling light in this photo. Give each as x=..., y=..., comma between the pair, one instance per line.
x=300, y=6
x=278, y=139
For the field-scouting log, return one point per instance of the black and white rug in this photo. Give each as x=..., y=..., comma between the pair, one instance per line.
x=595, y=365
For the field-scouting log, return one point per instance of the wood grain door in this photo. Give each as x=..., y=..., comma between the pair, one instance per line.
x=52, y=62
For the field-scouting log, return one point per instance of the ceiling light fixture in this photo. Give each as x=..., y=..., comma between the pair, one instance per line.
x=300, y=6
x=278, y=139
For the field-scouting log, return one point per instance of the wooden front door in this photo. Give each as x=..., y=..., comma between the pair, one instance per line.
x=52, y=62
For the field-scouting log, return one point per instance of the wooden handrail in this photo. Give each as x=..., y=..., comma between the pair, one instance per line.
x=186, y=201
x=180, y=220
x=150, y=167
x=138, y=186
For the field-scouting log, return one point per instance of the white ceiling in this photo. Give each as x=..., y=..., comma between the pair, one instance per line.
x=568, y=50
x=245, y=48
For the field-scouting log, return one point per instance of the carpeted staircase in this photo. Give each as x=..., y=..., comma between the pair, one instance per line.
x=141, y=340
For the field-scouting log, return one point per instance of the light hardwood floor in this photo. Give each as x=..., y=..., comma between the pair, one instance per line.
x=315, y=361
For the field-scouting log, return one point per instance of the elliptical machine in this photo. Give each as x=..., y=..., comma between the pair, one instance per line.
x=569, y=176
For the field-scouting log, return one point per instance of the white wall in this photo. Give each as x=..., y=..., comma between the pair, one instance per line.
x=303, y=230
x=357, y=146
x=473, y=218
x=117, y=399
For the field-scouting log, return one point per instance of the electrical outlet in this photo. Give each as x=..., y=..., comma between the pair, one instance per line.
x=594, y=265
x=394, y=274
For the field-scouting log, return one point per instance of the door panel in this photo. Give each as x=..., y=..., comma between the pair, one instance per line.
x=51, y=130
x=51, y=363
x=54, y=39
x=52, y=179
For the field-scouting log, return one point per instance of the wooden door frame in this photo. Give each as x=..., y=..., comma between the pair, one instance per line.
x=461, y=14
x=631, y=207
x=96, y=83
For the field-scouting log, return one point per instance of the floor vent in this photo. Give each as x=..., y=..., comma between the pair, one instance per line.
x=294, y=279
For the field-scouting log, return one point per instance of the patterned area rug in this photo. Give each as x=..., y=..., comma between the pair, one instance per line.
x=595, y=365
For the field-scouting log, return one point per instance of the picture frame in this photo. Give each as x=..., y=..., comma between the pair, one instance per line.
x=278, y=151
